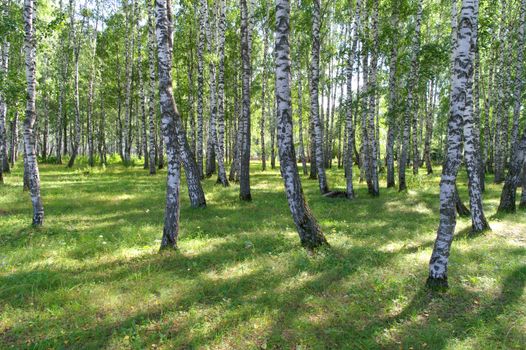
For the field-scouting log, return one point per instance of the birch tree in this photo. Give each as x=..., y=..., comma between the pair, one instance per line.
x=463, y=70
x=244, y=123
x=170, y=116
x=410, y=113
x=151, y=89
x=314, y=98
x=392, y=110
x=517, y=164
x=30, y=158
x=310, y=233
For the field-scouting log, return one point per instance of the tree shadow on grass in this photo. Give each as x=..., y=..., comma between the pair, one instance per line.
x=281, y=293
x=456, y=314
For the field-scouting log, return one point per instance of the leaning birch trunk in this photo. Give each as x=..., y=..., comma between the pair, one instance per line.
x=463, y=69
x=315, y=108
x=151, y=90
x=471, y=149
x=310, y=233
x=220, y=125
x=244, y=124
x=392, y=110
x=507, y=199
x=164, y=45
x=169, y=125
x=31, y=164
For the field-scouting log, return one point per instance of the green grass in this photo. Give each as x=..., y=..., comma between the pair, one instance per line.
x=92, y=277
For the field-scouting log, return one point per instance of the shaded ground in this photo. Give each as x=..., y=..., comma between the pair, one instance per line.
x=93, y=278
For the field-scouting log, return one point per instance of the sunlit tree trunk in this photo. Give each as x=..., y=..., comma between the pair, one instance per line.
x=169, y=109
x=169, y=123
x=309, y=231
x=30, y=160
x=463, y=69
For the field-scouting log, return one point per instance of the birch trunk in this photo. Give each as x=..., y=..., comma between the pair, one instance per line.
x=301, y=145
x=151, y=90
x=314, y=96
x=31, y=164
x=310, y=233
x=170, y=116
x=76, y=53
x=463, y=69
x=513, y=178
x=392, y=110
x=478, y=220
x=429, y=127
x=170, y=113
x=263, y=92
x=244, y=124
x=411, y=112
x=372, y=181
x=220, y=144
x=501, y=108
x=130, y=44
x=142, y=98
x=203, y=17
x=4, y=162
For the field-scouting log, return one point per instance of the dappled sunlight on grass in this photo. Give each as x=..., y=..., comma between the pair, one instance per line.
x=93, y=277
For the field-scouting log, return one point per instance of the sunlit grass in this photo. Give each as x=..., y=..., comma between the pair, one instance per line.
x=92, y=277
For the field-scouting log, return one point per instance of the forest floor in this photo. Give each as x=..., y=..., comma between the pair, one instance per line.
x=93, y=278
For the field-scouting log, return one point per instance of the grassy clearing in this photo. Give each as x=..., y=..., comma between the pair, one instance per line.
x=93, y=278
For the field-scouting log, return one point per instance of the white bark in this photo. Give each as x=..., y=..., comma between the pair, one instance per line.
x=309, y=231
x=462, y=72
x=31, y=164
